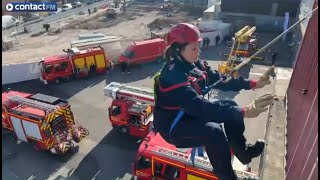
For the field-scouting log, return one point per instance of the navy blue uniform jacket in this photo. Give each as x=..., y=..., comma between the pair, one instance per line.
x=174, y=77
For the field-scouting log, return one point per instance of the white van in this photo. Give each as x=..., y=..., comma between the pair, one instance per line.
x=66, y=7
x=9, y=21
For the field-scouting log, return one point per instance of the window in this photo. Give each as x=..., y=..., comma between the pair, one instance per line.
x=48, y=68
x=128, y=54
x=158, y=168
x=144, y=163
x=57, y=67
x=243, y=47
x=171, y=172
x=116, y=110
x=64, y=66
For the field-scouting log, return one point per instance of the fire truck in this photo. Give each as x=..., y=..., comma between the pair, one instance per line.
x=46, y=122
x=131, y=109
x=74, y=63
x=244, y=45
x=158, y=160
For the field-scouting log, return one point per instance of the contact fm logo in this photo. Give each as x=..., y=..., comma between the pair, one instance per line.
x=31, y=6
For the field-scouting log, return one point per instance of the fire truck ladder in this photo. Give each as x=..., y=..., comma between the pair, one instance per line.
x=240, y=37
x=117, y=90
x=199, y=162
x=33, y=103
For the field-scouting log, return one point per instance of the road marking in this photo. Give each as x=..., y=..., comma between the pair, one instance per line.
x=95, y=176
x=31, y=177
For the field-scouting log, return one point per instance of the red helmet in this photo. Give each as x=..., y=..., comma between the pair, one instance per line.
x=183, y=33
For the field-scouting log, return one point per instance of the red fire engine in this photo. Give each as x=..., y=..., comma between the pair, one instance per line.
x=157, y=159
x=75, y=63
x=44, y=121
x=131, y=109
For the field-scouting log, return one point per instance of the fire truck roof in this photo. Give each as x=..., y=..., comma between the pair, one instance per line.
x=55, y=58
x=148, y=41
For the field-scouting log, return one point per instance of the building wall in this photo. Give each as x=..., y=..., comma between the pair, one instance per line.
x=264, y=23
x=261, y=7
x=196, y=3
x=266, y=15
x=302, y=109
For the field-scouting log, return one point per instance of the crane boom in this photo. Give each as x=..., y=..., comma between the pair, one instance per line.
x=243, y=34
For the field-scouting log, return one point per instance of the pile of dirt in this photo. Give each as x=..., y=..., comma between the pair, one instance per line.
x=166, y=22
x=54, y=31
x=148, y=8
x=38, y=33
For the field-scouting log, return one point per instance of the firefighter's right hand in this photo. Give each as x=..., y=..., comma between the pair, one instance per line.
x=265, y=78
x=258, y=106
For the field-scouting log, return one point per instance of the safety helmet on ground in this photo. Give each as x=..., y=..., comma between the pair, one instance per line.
x=183, y=33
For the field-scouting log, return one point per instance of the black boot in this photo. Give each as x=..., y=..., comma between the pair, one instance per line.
x=244, y=152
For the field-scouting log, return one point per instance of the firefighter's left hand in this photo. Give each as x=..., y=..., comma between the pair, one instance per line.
x=265, y=78
x=258, y=106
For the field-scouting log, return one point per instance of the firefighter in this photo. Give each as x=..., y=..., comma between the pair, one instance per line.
x=92, y=69
x=217, y=39
x=178, y=86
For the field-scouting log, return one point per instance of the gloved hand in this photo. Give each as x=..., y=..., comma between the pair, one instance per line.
x=258, y=106
x=265, y=78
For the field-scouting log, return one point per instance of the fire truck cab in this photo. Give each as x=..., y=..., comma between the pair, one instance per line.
x=74, y=64
x=158, y=160
x=131, y=109
x=44, y=121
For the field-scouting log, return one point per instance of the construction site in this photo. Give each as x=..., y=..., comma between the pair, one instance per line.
x=71, y=110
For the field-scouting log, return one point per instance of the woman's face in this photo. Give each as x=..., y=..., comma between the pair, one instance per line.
x=191, y=52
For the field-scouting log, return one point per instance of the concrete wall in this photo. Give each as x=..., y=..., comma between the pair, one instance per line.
x=12, y=73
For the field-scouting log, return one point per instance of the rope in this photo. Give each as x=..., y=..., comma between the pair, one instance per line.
x=208, y=89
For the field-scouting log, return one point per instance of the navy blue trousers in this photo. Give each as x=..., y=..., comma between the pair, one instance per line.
x=194, y=133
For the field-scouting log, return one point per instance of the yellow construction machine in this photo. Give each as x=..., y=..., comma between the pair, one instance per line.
x=243, y=46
